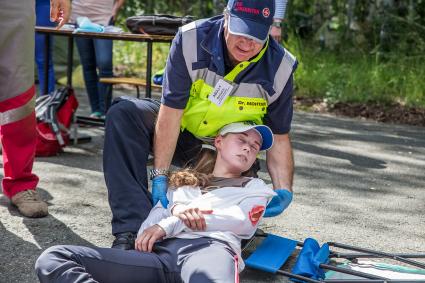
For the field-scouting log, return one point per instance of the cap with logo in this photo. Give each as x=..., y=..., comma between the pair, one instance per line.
x=241, y=127
x=251, y=18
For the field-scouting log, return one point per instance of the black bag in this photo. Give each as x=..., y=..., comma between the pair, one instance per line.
x=157, y=24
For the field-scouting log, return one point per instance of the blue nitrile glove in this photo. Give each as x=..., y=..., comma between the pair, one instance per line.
x=85, y=25
x=159, y=190
x=278, y=203
x=158, y=77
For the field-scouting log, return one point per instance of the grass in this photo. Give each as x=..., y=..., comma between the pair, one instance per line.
x=336, y=77
x=356, y=77
x=130, y=58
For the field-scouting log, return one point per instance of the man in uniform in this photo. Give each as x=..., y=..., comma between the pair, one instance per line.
x=220, y=70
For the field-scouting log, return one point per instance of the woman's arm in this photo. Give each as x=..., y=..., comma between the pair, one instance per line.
x=116, y=8
x=241, y=219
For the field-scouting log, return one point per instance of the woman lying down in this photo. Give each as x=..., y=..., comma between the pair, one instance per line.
x=197, y=238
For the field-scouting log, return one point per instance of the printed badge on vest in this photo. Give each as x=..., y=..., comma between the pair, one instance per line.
x=221, y=91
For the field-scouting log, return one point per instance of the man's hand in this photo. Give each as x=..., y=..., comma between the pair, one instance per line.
x=194, y=219
x=278, y=203
x=147, y=239
x=276, y=33
x=60, y=11
x=159, y=190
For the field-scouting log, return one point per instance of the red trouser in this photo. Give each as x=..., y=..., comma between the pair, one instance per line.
x=18, y=139
x=17, y=117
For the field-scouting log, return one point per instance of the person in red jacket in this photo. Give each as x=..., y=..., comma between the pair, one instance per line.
x=17, y=101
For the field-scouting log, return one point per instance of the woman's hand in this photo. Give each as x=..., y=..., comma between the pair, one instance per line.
x=60, y=11
x=194, y=219
x=147, y=239
x=276, y=33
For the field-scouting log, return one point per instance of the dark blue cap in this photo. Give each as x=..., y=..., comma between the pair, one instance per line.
x=251, y=18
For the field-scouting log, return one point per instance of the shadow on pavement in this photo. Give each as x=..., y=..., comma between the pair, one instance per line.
x=18, y=254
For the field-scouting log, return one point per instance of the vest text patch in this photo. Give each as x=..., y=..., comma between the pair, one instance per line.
x=247, y=104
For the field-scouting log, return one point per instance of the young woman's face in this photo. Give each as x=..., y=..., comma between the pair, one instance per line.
x=238, y=151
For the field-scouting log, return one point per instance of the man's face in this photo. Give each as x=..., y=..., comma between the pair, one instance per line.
x=240, y=48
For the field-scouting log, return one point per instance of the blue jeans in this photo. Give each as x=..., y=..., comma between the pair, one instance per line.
x=96, y=54
x=42, y=11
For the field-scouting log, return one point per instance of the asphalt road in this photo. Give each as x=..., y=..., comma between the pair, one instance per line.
x=356, y=182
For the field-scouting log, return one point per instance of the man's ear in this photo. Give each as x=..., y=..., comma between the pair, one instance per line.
x=226, y=20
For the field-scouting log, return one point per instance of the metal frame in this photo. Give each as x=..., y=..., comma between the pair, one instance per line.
x=362, y=253
x=149, y=39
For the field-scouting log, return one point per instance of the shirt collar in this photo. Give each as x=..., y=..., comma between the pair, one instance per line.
x=213, y=44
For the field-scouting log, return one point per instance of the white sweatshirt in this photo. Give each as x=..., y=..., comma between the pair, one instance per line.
x=233, y=217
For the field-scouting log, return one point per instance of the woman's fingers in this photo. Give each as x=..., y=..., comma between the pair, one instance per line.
x=210, y=211
x=139, y=241
x=199, y=219
x=183, y=218
x=194, y=218
x=145, y=242
x=152, y=241
x=53, y=10
x=137, y=244
x=60, y=11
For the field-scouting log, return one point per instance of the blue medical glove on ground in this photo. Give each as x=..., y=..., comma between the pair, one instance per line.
x=278, y=203
x=159, y=190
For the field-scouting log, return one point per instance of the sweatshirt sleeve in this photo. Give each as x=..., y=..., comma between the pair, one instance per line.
x=240, y=219
x=155, y=215
x=182, y=196
x=172, y=226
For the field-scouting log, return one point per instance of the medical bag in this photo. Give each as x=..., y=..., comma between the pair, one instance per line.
x=55, y=113
x=156, y=24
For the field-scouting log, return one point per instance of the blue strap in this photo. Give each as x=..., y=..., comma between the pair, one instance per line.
x=271, y=254
x=310, y=258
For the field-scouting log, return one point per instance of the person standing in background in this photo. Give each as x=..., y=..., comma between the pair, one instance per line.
x=96, y=54
x=279, y=15
x=17, y=101
x=42, y=18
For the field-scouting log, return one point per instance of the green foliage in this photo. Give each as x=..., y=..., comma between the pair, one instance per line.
x=359, y=78
x=348, y=51
x=130, y=58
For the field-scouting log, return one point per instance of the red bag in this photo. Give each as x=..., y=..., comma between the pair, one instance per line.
x=54, y=114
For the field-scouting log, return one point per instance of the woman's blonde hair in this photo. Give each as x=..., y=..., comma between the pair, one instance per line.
x=201, y=173
x=198, y=175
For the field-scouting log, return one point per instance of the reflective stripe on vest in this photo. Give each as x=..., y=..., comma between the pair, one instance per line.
x=17, y=114
x=247, y=102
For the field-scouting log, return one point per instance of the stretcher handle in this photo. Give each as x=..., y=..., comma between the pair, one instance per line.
x=378, y=253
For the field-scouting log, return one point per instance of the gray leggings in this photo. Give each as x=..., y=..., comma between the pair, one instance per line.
x=173, y=260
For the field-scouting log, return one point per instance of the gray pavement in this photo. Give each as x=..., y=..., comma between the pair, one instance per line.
x=356, y=182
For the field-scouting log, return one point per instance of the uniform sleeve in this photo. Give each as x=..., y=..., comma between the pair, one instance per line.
x=240, y=219
x=279, y=113
x=176, y=82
